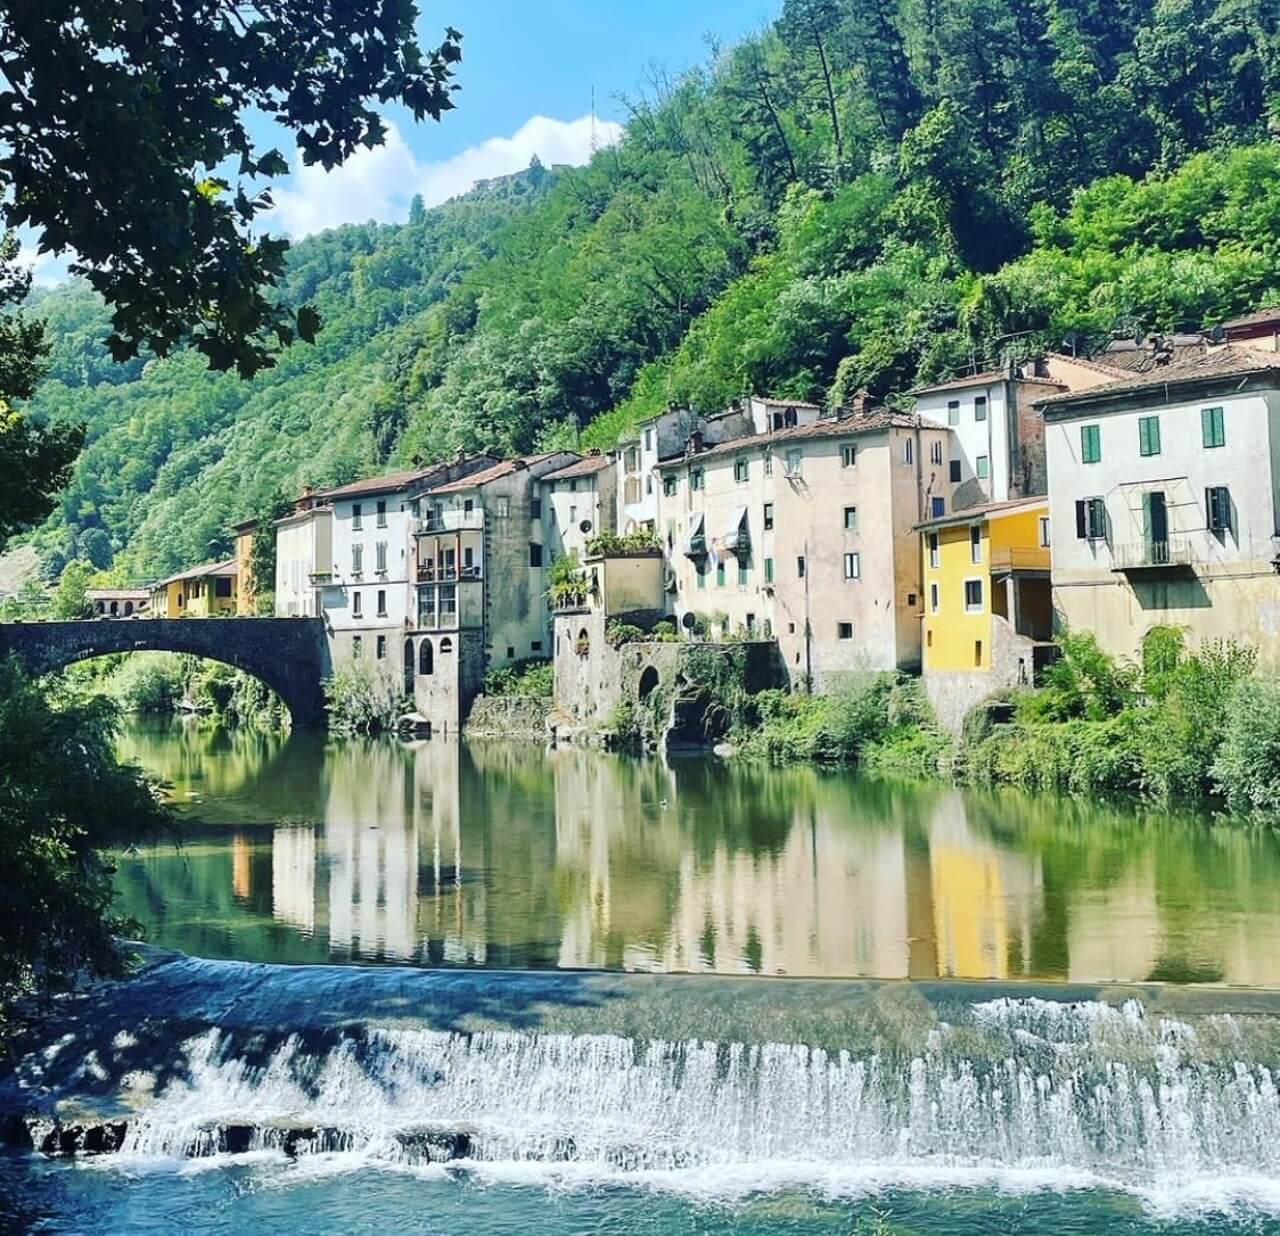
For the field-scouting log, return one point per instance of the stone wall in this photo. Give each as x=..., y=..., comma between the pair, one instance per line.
x=508, y=716
x=953, y=693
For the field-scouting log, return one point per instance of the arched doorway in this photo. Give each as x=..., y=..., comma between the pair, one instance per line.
x=408, y=667
x=648, y=682
x=426, y=658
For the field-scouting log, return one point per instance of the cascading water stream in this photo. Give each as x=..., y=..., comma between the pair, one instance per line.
x=1110, y=1095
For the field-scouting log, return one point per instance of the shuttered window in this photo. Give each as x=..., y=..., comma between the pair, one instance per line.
x=1149, y=435
x=1212, y=429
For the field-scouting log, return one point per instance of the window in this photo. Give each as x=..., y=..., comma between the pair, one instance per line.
x=382, y=602
x=648, y=439
x=933, y=598
x=768, y=570
x=980, y=408
x=696, y=478
x=741, y=470
x=426, y=658
x=795, y=461
x=536, y=646
x=908, y=451
x=669, y=486
x=1091, y=519
x=701, y=568
x=573, y=516
x=850, y=518
x=853, y=566
x=953, y=412
x=468, y=505
x=468, y=558
x=977, y=652
x=744, y=572
x=356, y=611
x=535, y=554
x=972, y=595
x=448, y=607
x=380, y=557
x=768, y=463
x=768, y=516
x=357, y=559
x=935, y=454
x=800, y=567
x=1090, y=444
x=648, y=484
x=937, y=507
x=1148, y=435
x=357, y=647
x=1217, y=506
x=535, y=508
x=381, y=648
x=381, y=517
x=446, y=646
x=573, y=485
x=720, y=574
x=357, y=517
x=982, y=468
x=511, y=652
x=221, y=587
x=975, y=544
x=954, y=472
x=844, y=630
x=416, y=508
x=934, y=554
x=502, y=508
x=1211, y=427
x=911, y=600
x=849, y=455
x=1044, y=532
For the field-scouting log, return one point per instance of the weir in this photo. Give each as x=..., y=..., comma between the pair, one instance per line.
x=1153, y=1091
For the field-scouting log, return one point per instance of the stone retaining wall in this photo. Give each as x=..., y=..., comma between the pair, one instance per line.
x=508, y=716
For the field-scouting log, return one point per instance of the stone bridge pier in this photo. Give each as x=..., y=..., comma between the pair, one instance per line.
x=291, y=655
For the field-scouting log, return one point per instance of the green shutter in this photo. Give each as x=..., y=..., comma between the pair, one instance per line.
x=1149, y=435
x=1090, y=444
x=1211, y=427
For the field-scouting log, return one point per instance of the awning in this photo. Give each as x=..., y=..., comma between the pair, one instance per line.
x=695, y=545
x=738, y=538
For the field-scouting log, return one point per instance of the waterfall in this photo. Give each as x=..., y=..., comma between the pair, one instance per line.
x=1113, y=1096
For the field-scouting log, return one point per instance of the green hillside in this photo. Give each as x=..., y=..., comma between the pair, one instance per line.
x=868, y=193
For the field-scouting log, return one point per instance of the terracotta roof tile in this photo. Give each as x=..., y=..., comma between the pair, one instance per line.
x=1257, y=318
x=496, y=472
x=967, y=514
x=582, y=467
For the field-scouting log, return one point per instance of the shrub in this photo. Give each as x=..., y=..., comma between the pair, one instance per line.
x=1246, y=770
x=532, y=677
x=827, y=729
x=150, y=683
x=618, y=633
x=361, y=701
x=1083, y=682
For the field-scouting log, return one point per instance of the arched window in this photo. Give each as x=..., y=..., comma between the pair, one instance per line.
x=128, y=608
x=408, y=667
x=582, y=645
x=425, y=658
x=446, y=645
x=115, y=608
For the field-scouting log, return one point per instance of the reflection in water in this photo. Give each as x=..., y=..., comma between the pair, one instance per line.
x=440, y=853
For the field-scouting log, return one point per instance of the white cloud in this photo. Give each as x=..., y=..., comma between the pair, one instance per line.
x=378, y=184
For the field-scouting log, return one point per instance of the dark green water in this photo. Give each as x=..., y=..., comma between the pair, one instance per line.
x=508, y=856
x=624, y=1104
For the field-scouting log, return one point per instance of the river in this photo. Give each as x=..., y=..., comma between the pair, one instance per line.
x=678, y=1091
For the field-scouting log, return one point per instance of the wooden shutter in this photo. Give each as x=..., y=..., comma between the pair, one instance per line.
x=1082, y=529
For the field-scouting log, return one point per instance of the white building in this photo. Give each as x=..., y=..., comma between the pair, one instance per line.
x=1164, y=498
x=579, y=501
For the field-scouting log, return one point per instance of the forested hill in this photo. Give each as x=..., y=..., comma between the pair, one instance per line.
x=868, y=193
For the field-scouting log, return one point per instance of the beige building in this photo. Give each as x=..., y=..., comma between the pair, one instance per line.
x=578, y=502
x=802, y=528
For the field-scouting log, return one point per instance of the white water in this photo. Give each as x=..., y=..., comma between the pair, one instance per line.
x=1027, y=1093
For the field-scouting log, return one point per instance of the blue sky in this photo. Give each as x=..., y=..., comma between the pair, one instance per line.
x=526, y=79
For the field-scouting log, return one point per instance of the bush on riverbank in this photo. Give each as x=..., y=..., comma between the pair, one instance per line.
x=362, y=701
x=533, y=677
x=63, y=798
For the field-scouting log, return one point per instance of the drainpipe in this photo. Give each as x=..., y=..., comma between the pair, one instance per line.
x=808, y=627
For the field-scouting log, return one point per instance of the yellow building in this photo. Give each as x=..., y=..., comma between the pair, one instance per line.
x=202, y=592
x=988, y=614
x=247, y=587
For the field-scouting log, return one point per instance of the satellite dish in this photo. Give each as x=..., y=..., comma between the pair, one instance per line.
x=585, y=526
x=689, y=621
x=1217, y=334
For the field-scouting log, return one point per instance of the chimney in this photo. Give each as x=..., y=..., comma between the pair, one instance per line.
x=1162, y=351
x=695, y=442
x=1040, y=368
x=593, y=453
x=860, y=404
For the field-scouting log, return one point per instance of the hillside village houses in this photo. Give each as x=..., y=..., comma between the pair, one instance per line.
x=1113, y=493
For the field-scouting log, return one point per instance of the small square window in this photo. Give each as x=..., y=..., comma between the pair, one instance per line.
x=356, y=611
x=696, y=478
x=795, y=461
x=973, y=596
x=935, y=454
x=849, y=455
x=933, y=598
x=791, y=628
x=744, y=573
x=382, y=603
x=937, y=507
x=934, y=550
x=975, y=544
x=1090, y=444
x=535, y=508
x=469, y=505
x=357, y=647
x=720, y=574
x=669, y=486
x=908, y=451
x=911, y=600
x=741, y=470
x=850, y=518
x=800, y=568
x=357, y=516
x=381, y=519
x=1044, y=532
x=768, y=463
x=982, y=467
x=977, y=653
x=1148, y=435
x=844, y=630
x=535, y=554
x=768, y=516
x=954, y=471
x=1217, y=504
x=511, y=652
x=953, y=412
x=852, y=566
x=1212, y=429
x=381, y=647
x=768, y=570
x=503, y=506
x=536, y=646
x=1091, y=519
x=980, y=408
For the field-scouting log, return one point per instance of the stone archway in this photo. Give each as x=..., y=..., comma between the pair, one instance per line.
x=648, y=683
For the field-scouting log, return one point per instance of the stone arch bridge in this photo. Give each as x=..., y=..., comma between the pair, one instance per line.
x=291, y=655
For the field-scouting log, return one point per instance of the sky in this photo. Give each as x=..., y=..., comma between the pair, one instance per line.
x=525, y=81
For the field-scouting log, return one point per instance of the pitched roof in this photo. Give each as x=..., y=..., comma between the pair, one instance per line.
x=203, y=571
x=986, y=378
x=984, y=511
x=1129, y=357
x=1227, y=361
x=1258, y=318
x=588, y=466
x=390, y=482
x=826, y=427
x=1091, y=362
x=496, y=472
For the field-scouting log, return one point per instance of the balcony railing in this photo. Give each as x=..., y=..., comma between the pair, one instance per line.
x=431, y=574
x=433, y=522
x=1171, y=555
x=1019, y=558
x=320, y=577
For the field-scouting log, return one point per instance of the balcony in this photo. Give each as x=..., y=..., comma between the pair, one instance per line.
x=320, y=578
x=433, y=523
x=430, y=573
x=1009, y=559
x=1175, y=554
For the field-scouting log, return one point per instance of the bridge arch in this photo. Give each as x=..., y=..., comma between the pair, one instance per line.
x=291, y=655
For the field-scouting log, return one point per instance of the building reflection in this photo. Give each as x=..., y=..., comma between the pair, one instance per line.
x=440, y=853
